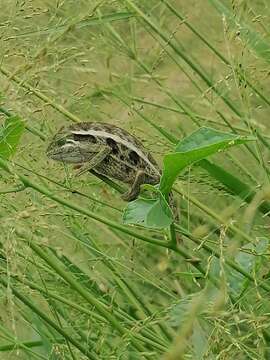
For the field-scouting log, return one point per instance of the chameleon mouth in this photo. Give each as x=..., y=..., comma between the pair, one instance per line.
x=68, y=157
x=66, y=154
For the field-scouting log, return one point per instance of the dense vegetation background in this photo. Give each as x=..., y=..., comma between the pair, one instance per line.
x=75, y=282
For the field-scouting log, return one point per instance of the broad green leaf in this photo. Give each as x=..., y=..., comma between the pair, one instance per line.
x=180, y=310
x=199, y=341
x=249, y=262
x=262, y=245
x=195, y=147
x=10, y=135
x=246, y=259
x=253, y=38
x=151, y=213
x=237, y=281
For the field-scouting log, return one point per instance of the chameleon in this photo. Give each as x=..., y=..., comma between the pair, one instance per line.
x=108, y=150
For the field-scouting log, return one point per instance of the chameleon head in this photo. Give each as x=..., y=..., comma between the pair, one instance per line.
x=64, y=148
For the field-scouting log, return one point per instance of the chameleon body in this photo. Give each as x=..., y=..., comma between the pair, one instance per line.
x=108, y=150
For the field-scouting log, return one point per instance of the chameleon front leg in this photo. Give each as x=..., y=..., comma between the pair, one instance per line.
x=96, y=159
x=134, y=191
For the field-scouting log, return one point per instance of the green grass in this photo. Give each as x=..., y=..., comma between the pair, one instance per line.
x=77, y=283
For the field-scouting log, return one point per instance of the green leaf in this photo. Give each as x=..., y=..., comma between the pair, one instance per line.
x=10, y=135
x=151, y=213
x=250, y=36
x=249, y=262
x=195, y=147
x=199, y=341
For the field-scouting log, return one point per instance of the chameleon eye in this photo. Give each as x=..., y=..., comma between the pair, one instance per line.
x=61, y=142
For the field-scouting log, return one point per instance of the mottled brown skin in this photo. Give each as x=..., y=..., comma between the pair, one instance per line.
x=109, y=150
